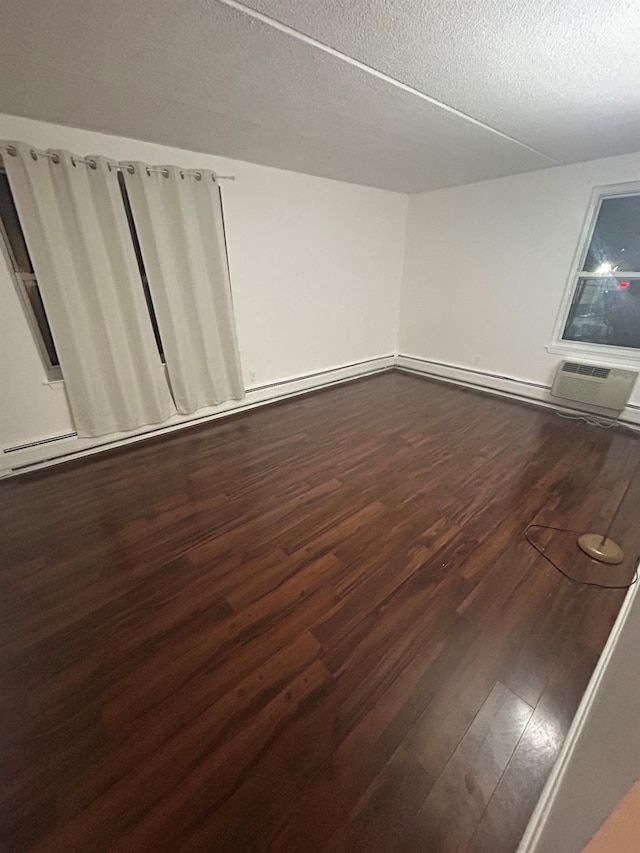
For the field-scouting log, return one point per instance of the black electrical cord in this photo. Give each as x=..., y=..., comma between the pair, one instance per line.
x=594, y=420
x=562, y=572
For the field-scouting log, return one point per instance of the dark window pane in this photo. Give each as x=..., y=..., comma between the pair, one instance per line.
x=143, y=274
x=9, y=216
x=605, y=311
x=22, y=264
x=616, y=237
x=35, y=300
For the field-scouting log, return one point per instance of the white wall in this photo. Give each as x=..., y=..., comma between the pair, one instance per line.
x=315, y=269
x=486, y=266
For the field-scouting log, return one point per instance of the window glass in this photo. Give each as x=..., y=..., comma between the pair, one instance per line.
x=9, y=216
x=35, y=300
x=615, y=244
x=605, y=310
x=21, y=263
x=606, y=301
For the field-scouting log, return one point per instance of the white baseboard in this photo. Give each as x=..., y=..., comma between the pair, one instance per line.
x=56, y=449
x=537, y=822
x=505, y=386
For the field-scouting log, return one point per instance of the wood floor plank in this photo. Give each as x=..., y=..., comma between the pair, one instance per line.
x=444, y=723
x=460, y=795
x=315, y=625
x=205, y=755
x=506, y=816
x=331, y=755
x=380, y=821
x=225, y=654
x=183, y=710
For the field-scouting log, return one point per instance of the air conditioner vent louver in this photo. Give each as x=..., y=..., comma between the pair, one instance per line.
x=586, y=369
x=606, y=389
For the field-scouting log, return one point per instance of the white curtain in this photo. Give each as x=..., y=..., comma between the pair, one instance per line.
x=178, y=218
x=78, y=237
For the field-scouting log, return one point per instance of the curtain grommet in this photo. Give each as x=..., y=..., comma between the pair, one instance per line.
x=131, y=169
x=12, y=151
x=198, y=176
x=165, y=173
x=148, y=172
x=34, y=156
x=92, y=164
x=55, y=158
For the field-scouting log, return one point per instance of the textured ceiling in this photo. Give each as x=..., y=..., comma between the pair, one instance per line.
x=348, y=90
x=562, y=76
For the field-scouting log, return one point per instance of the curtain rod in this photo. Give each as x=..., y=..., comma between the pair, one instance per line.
x=92, y=163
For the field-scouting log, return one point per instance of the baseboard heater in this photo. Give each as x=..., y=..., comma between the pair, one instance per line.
x=596, y=387
x=105, y=443
x=39, y=442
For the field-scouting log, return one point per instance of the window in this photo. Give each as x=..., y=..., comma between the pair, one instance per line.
x=27, y=283
x=605, y=308
x=25, y=279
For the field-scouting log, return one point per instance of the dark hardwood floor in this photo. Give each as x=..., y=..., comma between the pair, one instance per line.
x=312, y=627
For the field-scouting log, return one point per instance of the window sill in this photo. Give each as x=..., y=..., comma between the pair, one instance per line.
x=614, y=356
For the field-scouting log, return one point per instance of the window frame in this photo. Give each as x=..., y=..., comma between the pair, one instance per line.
x=53, y=372
x=599, y=352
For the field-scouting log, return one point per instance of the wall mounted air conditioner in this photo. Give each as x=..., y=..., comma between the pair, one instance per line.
x=604, y=390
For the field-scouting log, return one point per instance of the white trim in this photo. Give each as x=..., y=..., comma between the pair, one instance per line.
x=545, y=804
x=614, y=356
x=601, y=351
x=494, y=383
x=613, y=274
x=58, y=449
